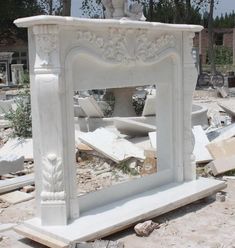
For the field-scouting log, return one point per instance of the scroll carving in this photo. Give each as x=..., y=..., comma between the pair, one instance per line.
x=190, y=53
x=52, y=175
x=148, y=50
x=124, y=47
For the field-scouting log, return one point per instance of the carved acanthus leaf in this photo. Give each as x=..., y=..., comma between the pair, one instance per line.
x=46, y=45
x=52, y=175
x=46, y=37
x=121, y=47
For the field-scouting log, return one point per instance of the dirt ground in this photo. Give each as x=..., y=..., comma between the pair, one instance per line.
x=202, y=224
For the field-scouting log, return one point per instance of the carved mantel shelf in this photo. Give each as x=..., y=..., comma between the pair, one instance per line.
x=68, y=54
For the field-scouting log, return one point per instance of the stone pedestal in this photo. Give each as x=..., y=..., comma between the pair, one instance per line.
x=17, y=72
x=123, y=102
x=5, y=61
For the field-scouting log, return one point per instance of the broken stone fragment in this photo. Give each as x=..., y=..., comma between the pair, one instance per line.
x=145, y=228
x=28, y=189
x=220, y=197
x=100, y=244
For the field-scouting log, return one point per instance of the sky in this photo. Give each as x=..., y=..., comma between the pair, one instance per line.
x=221, y=8
x=225, y=6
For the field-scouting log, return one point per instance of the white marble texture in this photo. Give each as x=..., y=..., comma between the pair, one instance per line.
x=132, y=127
x=112, y=146
x=68, y=54
x=11, y=163
x=202, y=155
x=90, y=107
x=105, y=220
x=19, y=147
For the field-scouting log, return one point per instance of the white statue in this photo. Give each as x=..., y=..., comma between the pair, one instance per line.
x=134, y=11
x=108, y=5
x=121, y=9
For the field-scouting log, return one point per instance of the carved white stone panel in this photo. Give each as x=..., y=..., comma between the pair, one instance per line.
x=46, y=37
x=126, y=46
x=52, y=176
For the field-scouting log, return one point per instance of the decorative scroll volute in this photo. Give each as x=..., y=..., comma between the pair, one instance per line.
x=189, y=53
x=52, y=177
x=124, y=46
x=47, y=43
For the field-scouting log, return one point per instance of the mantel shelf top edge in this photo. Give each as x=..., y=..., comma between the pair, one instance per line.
x=124, y=23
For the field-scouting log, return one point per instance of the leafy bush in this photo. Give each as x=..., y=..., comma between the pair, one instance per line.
x=223, y=55
x=20, y=115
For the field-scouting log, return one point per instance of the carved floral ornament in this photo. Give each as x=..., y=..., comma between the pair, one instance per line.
x=46, y=37
x=123, y=46
x=52, y=177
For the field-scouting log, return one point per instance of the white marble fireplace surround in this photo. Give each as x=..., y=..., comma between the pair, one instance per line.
x=68, y=54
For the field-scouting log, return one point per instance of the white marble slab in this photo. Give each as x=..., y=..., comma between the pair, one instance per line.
x=132, y=127
x=153, y=139
x=202, y=155
x=16, y=197
x=105, y=220
x=11, y=163
x=110, y=145
x=21, y=147
x=90, y=107
x=150, y=105
x=15, y=183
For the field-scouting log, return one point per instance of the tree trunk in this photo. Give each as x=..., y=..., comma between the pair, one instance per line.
x=50, y=7
x=66, y=7
x=188, y=10
x=211, y=38
x=150, y=10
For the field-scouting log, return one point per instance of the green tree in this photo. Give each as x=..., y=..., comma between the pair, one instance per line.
x=56, y=7
x=51, y=7
x=13, y=9
x=66, y=8
x=169, y=11
x=20, y=116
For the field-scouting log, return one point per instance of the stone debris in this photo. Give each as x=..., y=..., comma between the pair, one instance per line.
x=5, y=124
x=220, y=197
x=4, y=204
x=222, y=149
x=141, y=142
x=21, y=147
x=90, y=107
x=110, y=145
x=15, y=197
x=153, y=139
x=228, y=107
x=150, y=163
x=133, y=128
x=5, y=106
x=222, y=133
x=228, y=178
x=222, y=92
x=28, y=189
x=101, y=244
x=11, y=163
x=95, y=173
x=150, y=105
x=222, y=165
x=4, y=135
x=15, y=182
x=200, y=151
x=145, y=229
